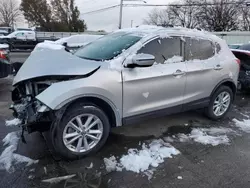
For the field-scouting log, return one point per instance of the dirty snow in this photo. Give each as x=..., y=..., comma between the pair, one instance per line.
x=204, y=138
x=8, y=158
x=90, y=166
x=13, y=122
x=207, y=136
x=58, y=179
x=179, y=178
x=243, y=125
x=150, y=155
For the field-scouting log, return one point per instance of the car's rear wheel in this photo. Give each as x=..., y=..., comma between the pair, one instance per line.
x=220, y=103
x=83, y=130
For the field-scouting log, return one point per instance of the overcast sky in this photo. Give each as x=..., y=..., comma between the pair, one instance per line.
x=108, y=20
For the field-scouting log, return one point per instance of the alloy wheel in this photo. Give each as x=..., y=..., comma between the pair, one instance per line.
x=221, y=103
x=82, y=133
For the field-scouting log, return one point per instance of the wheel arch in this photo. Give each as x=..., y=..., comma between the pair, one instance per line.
x=106, y=105
x=227, y=82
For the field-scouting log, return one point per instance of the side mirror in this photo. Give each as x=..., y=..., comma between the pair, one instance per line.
x=142, y=60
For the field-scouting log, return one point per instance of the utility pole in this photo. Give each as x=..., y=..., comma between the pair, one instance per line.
x=120, y=18
x=121, y=10
x=132, y=23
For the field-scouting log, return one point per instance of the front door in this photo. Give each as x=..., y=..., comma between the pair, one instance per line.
x=152, y=90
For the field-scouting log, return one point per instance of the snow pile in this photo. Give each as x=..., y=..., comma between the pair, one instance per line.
x=13, y=122
x=48, y=46
x=243, y=125
x=8, y=157
x=141, y=160
x=58, y=179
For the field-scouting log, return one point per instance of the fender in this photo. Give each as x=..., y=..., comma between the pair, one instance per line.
x=222, y=82
x=109, y=102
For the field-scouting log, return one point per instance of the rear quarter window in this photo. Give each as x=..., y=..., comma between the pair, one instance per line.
x=217, y=47
x=198, y=49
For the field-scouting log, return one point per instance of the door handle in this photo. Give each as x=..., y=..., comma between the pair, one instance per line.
x=179, y=73
x=218, y=67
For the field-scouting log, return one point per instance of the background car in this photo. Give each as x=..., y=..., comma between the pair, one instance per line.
x=245, y=47
x=244, y=75
x=5, y=66
x=71, y=43
x=234, y=46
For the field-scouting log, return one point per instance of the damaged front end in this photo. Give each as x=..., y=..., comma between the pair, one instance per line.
x=34, y=115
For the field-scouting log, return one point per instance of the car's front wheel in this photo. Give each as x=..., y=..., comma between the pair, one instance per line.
x=83, y=130
x=220, y=103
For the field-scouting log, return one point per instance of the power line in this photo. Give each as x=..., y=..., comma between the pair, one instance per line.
x=162, y=5
x=184, y=5
x=100, y=10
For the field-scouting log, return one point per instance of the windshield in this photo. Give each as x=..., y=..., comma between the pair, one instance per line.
x=108, y=47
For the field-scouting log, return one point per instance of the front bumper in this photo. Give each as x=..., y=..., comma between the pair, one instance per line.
x=33, y=115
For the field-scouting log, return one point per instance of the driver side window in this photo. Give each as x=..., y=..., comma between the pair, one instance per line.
x=163, y=49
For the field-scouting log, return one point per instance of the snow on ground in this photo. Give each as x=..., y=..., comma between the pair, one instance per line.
x=58, y=179
x=8, y=158
x=243, y=125
x=137, y=161
x=200, y=136
x=207, y=136
x=13, y=122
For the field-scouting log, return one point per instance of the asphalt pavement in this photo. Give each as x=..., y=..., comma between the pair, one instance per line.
x=199, y=166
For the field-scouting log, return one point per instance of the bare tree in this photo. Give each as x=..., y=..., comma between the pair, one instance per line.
x=158, y=17
x=244, y=18
x=9, y=12
x=219, y=15
x=185, y=16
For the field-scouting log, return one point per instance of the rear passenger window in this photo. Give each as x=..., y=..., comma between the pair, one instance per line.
x=198, y=49
x=163, y=49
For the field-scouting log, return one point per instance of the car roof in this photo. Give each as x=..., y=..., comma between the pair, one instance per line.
x=245, y=46
x=149, y=30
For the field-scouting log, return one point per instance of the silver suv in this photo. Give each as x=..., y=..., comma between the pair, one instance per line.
x=119, y=79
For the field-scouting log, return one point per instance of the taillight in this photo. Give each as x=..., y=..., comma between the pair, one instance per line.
x=2, y=55
x=238, y=61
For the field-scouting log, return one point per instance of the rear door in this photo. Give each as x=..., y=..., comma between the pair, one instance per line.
x=149, y=91
x=203, y=70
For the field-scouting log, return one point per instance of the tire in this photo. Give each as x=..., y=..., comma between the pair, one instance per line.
x=85, y=110
x=210, y=113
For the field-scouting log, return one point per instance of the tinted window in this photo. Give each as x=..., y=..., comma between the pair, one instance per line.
x=198, y=49
x=108, y=47
x=163, y=49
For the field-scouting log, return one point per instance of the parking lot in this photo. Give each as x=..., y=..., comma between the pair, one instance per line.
x=197, y=165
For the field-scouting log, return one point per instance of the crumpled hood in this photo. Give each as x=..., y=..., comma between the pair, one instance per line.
x=54, y=63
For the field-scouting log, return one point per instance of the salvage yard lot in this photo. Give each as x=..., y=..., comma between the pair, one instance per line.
x=199, y=164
